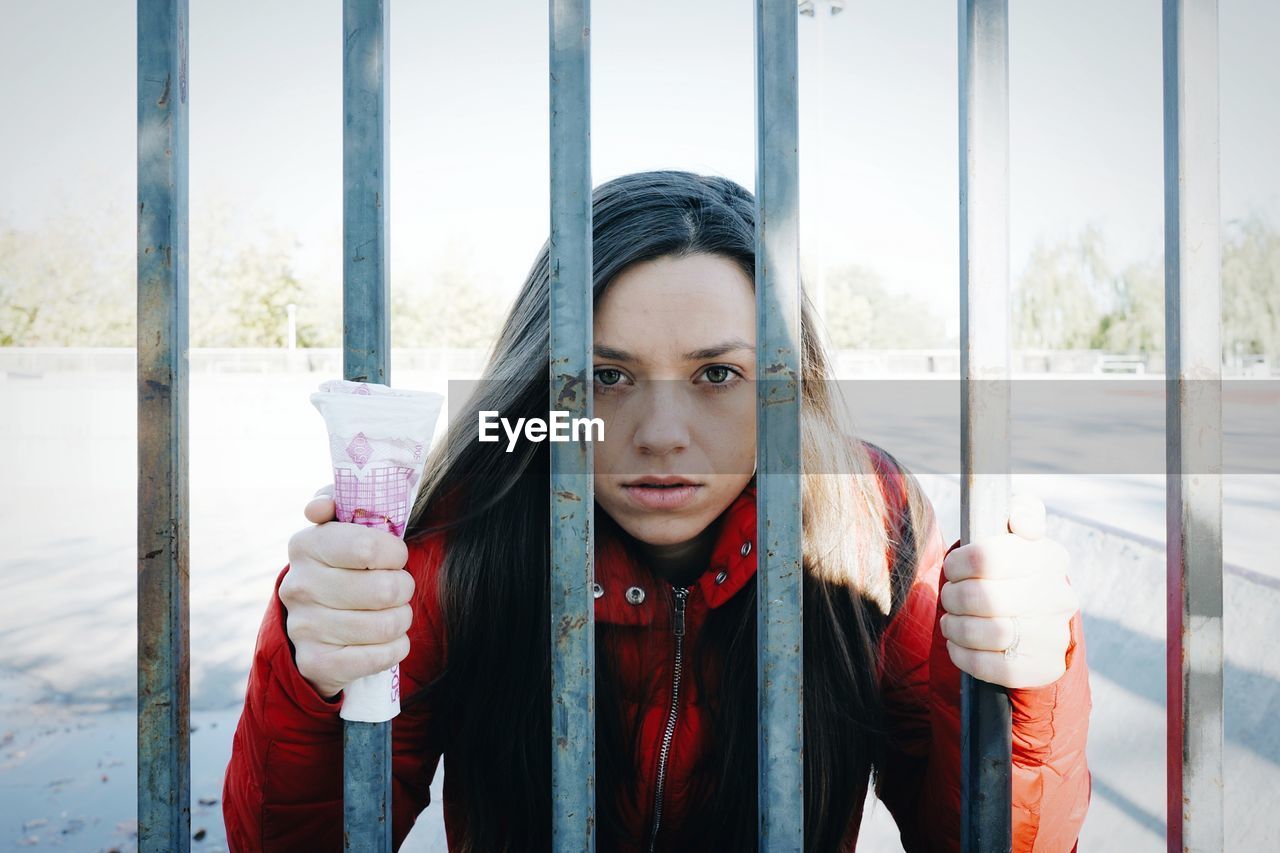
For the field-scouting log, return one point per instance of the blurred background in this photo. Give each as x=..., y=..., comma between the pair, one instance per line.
x=672, y=87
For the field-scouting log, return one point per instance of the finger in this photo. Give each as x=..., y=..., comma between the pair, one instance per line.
x=982, y=634
x=1007, y=597
x=349, y=546
x=1017, y=672
x=349, y=627
x=320, y=509
x=1026, y=516
x=347, y=663
x=344, y=589
x=1001, y=556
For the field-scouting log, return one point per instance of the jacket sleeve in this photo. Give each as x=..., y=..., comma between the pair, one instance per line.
x=283, y=785
x=920, y=780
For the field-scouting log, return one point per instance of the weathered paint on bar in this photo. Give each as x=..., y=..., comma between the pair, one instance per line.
x=573, y=747
x=366, y=348
x=1193, y=430
x=365, y=291
x=778, y=575
x=366, y=785
x=985, y=728
x=164, y=724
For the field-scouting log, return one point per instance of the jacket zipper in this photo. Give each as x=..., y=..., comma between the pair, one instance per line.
x=681, y=597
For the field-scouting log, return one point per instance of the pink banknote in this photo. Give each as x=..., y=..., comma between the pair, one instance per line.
x=378, y=442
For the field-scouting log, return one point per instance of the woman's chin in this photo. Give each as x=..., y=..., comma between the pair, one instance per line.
x=659, y=532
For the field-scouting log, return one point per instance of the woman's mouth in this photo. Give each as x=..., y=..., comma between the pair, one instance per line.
x=660, y=495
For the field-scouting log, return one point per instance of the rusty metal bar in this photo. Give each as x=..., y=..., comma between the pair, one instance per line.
x=985, y=725
x=1193, y=418
x=164, y=721
x=366, y=348
x=778, y=575
x=573, y=743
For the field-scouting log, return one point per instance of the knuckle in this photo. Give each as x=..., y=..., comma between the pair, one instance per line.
x=388, y=626
x=400, y=650
x=972, y=597
x=304, y=657
x=296, y=545
x=384, y=590
x=365, y=551
x=297, y=625
x=290, y=586
x=947, y=596
x=977, y=558
x=399, y=556
x=986, y=670
x=949, y=565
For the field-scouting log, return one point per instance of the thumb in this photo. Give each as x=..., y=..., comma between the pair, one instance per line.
x=1026, y=516
x=321, y=508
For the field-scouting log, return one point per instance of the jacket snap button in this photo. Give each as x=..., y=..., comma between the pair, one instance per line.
x=635, y=595
x=746, y=548
x=597, y=590
x=721, y=576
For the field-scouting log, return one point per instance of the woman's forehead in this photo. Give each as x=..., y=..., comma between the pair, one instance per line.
x=677, y=305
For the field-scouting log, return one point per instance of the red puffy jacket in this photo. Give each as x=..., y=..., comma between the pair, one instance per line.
x=283, y=787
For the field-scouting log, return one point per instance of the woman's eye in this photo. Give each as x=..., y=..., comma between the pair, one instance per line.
x=608, y=376
x=720, y=377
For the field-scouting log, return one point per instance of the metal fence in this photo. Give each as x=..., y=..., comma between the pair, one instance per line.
x=1193, y=414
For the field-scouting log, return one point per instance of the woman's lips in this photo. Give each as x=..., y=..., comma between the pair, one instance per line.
x=661, y=497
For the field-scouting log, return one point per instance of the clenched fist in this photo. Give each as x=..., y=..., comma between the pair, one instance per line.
x=1009, y=604
x=347, y=597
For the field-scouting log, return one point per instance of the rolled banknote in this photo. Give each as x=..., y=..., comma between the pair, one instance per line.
x=378, y=442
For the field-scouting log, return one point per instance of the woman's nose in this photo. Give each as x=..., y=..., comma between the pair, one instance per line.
x=663, y=427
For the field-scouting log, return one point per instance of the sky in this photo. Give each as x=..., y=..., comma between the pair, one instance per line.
x=672, y=87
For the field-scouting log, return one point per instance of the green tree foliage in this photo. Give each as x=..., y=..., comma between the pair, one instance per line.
x=1135, y=322
x=67, y=283
x=1251, y=288
x=71, y=283
x=240, y=293
x=64, y=285
x=449, y=309
x=1068, y=299
x=862, y=314
x=1058, y=302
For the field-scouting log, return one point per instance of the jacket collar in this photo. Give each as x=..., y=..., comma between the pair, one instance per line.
x=732, y=565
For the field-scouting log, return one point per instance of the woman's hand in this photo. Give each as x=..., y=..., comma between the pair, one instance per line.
x=347, y=597
x=1010, y=592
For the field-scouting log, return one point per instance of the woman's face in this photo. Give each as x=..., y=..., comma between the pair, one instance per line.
x=674, y=374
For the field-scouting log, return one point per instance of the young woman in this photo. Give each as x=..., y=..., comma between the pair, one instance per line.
x=891, y=616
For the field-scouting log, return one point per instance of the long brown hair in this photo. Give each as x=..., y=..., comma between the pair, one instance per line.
x=494, y=586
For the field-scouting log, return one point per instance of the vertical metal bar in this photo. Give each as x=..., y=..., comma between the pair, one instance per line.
x=164, y=723
x=985, y=727
x=778, y=575
x=366, y=348
x=573, y=744
x=1193, y=412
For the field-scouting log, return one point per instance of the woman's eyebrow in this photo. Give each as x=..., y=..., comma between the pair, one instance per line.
x=718, y=350
x=713, y=351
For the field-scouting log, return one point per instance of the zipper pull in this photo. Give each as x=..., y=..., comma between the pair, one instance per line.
x=682, y=595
